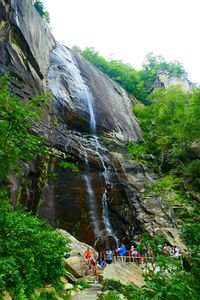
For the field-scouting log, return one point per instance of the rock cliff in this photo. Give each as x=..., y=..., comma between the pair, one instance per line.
x=89, y=123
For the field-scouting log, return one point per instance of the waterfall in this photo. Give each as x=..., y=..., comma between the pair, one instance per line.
x=91, y=197
x=77, y=83
x=106, y=219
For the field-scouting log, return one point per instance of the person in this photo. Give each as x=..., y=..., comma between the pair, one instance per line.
x=132, y=249
x=123, y=249
x=134, y=253
x=94, y=266
x=139, y=258
x=176, y=252
x=152, y=259
x=166, y=250
x=102, y=263
x=108, y=255
x=120, y=253
x=115, y=252
x=88, y=255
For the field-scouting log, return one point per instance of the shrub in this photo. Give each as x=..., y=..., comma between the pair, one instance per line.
x=31, y=252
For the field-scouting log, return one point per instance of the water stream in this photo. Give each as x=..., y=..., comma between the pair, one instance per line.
x=86, y=97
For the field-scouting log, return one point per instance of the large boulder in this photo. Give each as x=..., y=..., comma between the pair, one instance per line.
x=76, y=266
x=77, y=248
x=125, y=272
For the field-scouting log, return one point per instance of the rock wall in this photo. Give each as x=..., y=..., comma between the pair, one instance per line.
x=166, y=80
x=89, y=124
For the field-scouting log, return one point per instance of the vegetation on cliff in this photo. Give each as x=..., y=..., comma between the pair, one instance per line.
x=17, y=141
x=41, y=10
x=138, y=83
x=31, y=251
x=169, y=118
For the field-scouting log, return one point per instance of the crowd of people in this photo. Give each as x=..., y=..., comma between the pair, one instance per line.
x=139, y=254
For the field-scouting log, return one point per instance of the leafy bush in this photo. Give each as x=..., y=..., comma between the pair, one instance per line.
x=41, y=10
x=84, y=284
x=68, y=165
x=31, y=252
x=114, y=285
x=16, y=120
x=109, y=295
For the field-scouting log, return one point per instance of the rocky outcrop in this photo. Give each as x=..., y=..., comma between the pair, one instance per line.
x=164, y=79
x=126, y=273
x=25, y=47
x=89, y=123
x=73, y=80
x=77, y=248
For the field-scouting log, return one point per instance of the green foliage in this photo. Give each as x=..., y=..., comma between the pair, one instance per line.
x=110, y=284
x=191, y=236
x=31, y=252
x=41, y=10
x=192, y=169
x=169, y=284
x=158, y=63
x=109, y=295
x=136, y=150
x=136, y=82
x=84, y=284
x=170, y=125
x=68, y=165
x=16, y=118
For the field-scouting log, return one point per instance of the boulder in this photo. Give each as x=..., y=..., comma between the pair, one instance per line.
x=77, y=248
x=70, y=277
x=68, y=286
x=76, y=266
x=125, y=272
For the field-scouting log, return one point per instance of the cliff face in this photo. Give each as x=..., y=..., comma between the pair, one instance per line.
x=90, y=123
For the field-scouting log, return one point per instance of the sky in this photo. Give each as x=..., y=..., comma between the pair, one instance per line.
x=129, y=29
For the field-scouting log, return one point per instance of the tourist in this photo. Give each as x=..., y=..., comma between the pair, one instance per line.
x=151, y=259
x=123, y=249
x=94, y=266
x=176, y=252
x=120, y=253
x=115, y=252
x=109, y=256
x=139, y=258
x=88, y=255
x=166, y=250
x=131, y=252
x=134, y=253
x=102, y=263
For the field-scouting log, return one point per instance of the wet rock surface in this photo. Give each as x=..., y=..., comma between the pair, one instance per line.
x=89, y=123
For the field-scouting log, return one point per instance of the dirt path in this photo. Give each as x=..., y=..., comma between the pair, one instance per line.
x=87, y=294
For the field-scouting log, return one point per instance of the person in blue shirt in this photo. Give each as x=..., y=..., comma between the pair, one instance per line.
x=123, y=249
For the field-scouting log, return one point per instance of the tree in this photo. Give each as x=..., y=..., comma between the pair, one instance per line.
x=41, y=10
x=30, y=250
x=138, y=83
x=17, y=142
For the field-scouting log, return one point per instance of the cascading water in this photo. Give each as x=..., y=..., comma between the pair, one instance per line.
x=85, y=95
x=91, y=197
x=106, y=175
x=81, y=96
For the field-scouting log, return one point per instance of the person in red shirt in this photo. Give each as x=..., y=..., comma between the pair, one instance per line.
x=88, y=255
